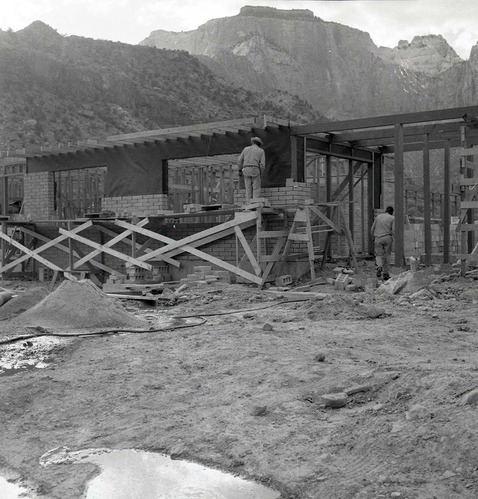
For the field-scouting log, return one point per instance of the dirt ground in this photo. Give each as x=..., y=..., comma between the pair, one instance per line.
x=244, y=392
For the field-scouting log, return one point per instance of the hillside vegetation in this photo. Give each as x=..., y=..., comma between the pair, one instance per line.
x=57, y=89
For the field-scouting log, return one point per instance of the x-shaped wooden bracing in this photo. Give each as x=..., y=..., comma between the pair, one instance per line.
x=166, y=253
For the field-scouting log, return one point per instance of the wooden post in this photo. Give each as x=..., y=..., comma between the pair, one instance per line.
x=293, y=158
x=351, y=197
x=370, y=204
x=426, y=201
x=447, y=201
x=362, y=206
x=4, y=243
x=5, y=196
x=231, y=185
x=70, y=248
x=377, y=183
x=399, y=186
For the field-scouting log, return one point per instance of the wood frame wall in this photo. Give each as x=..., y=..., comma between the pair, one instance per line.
x=397, y=134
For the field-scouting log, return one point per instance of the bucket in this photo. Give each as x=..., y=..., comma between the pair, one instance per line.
x=4, y=297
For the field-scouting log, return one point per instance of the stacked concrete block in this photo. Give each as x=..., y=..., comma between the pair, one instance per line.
x=141, y=206
x=292, y=195
x=39, y=196
x=204, y=274
x=415, y=239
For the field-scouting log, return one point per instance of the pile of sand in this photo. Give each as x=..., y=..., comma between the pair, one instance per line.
x=78, y=305
x=22, y=302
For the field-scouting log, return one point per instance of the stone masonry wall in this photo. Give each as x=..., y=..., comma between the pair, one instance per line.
x=151, y=204
x=39, y=196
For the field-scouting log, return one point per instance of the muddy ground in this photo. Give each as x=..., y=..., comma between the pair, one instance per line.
x=243, y=392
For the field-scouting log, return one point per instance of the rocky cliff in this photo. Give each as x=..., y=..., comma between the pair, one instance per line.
x=338, y=69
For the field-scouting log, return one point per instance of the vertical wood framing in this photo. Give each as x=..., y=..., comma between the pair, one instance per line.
x=426, y=201
x=447, y=201
x=399, y=190
x=293, y=158
x=351, y=196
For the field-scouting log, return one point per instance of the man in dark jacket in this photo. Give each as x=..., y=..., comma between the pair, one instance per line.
x=382, y=232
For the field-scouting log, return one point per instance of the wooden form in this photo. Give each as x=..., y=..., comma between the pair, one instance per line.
x=266, y=253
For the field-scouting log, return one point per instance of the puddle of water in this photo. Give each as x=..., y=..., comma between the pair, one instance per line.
x=9, y=490
x=131, y=474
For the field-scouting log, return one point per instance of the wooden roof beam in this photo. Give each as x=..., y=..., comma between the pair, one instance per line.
x=457, y=113
x=203, y=127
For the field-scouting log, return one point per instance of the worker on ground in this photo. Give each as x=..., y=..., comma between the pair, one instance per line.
x=382, y=233
x=251, y=164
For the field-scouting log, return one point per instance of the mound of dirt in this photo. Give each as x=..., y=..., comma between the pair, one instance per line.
x=337, y=307
x=78, y=305
x=22, y=303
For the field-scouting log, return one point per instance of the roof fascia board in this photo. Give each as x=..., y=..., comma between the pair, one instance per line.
x=380, y=121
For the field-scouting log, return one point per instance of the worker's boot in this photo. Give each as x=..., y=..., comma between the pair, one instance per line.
x=379, y=271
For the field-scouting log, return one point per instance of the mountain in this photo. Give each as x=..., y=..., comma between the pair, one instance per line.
x=336, y=68
x=58, y=89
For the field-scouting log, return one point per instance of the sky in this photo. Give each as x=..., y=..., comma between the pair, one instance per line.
x=131, y=21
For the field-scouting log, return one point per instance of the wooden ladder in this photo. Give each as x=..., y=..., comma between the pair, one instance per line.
x=309, y=222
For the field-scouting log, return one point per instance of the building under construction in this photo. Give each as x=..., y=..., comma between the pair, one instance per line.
x=151, y=205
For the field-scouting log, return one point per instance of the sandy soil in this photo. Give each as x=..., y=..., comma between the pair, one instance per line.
x=243, y=393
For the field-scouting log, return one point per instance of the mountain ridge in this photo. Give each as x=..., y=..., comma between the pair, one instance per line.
x=336, y=68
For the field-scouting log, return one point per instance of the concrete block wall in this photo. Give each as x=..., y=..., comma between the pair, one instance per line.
x=151, y=204
x=415, y=239
x=39, y=196
x=293, y=194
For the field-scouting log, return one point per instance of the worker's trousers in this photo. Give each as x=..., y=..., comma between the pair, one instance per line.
x=383, y=250
x=252, y=181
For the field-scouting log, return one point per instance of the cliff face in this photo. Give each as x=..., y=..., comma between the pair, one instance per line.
x=338, y=69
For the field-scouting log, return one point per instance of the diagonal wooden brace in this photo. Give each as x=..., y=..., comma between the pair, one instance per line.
x=65, y=249
x=51, y=243
x=180, y=247
x=109, y=251
x=109, y=244
x=28, y=253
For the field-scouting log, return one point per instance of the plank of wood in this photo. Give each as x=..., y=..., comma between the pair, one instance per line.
x=273, y=233
x=325, y=219
x=248, y=250
x=468, y=227
x=112, y=252
x=468, y=151
x=468, y=181
x=467, y=205
x=133, y=297
x=275, y=257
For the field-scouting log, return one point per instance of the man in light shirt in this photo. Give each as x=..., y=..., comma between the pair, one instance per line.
x=382, y=232
x=251, y=164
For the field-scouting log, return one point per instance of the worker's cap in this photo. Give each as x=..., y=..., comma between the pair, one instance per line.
x=257, y=140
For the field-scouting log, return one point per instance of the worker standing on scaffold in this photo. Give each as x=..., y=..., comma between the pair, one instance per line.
x=251, y=164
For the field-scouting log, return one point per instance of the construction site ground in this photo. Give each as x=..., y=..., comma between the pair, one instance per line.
x=343, y=394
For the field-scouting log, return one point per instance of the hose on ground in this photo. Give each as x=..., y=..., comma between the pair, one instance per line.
x=43, y=332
